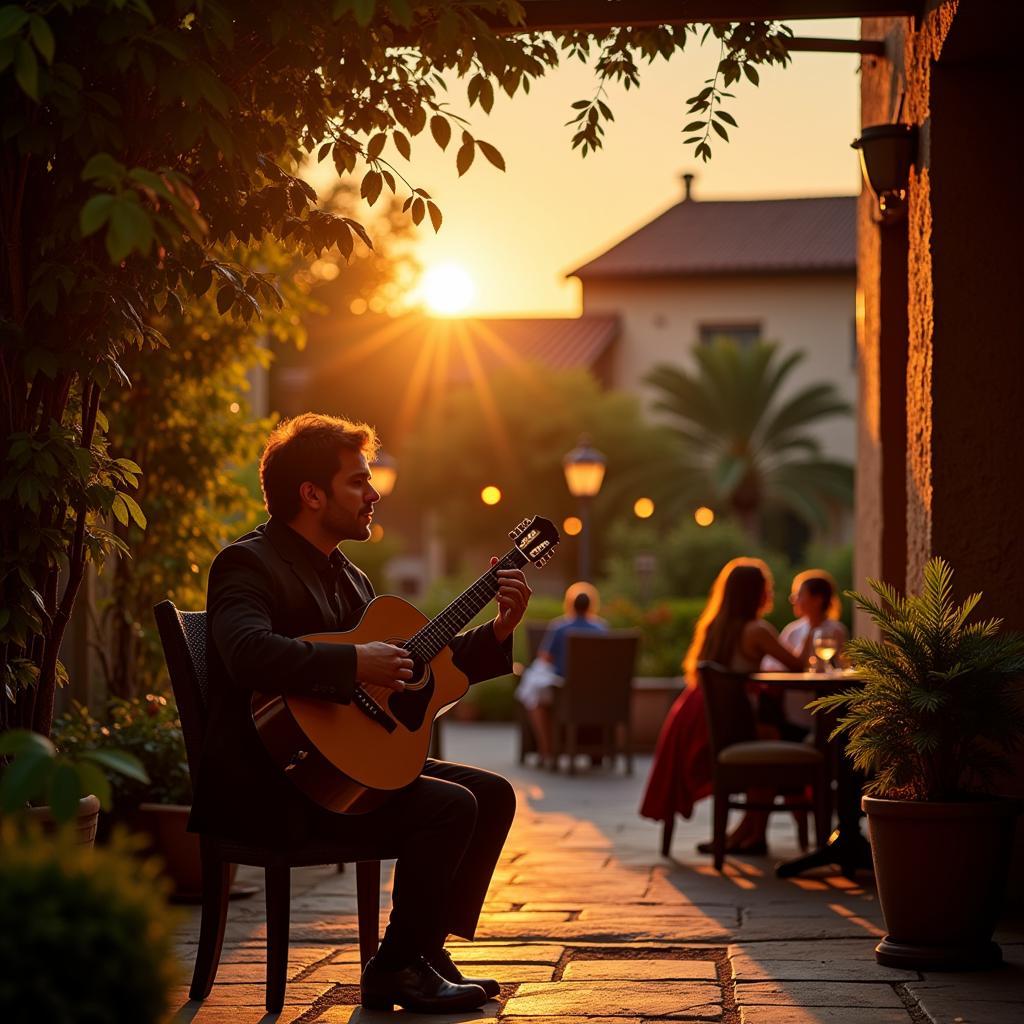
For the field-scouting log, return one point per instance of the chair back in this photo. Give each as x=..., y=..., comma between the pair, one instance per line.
x=598, y=676
x=534, y=636
x=730, y=716
x=183, y=636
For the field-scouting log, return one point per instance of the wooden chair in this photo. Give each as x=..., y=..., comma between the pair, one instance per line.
x=183, y=635
x=527, y=741
x=741, y=762
x=596, y=695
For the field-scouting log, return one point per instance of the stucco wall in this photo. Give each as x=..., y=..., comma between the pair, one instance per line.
x=661, y=321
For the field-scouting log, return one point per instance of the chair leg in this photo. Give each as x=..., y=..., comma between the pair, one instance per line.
x=341, y=867
x=668, y=826
x=278, y=882
x=216, y=883
x=721, y=815
x=572, y=737
x=628, y=741
x=822, y=810
x=368, y=907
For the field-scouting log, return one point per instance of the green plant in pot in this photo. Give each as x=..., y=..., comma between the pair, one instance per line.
x=149, y=728
x=931, y=724
x=57, y=788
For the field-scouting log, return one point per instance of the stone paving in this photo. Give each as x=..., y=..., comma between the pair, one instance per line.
x=585, y=921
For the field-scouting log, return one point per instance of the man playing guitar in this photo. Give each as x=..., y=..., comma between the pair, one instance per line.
x=285, y=579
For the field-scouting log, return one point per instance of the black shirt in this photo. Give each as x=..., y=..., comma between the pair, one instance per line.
x=331, y=571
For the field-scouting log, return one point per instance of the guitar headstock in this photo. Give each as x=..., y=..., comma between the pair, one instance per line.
x=536, y=539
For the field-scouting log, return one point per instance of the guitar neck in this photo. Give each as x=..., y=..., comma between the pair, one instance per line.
x=442, y=629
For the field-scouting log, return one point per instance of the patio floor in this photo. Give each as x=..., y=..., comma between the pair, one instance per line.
x=586, y=920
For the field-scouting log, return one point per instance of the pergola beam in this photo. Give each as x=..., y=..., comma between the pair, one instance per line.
x=566, y=15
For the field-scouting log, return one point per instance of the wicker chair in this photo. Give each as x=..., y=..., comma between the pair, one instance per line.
x=184, y=637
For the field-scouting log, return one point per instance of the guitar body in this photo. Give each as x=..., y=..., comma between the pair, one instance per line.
x=349, y=757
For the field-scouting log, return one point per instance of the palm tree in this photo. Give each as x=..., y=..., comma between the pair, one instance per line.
x=744, y=444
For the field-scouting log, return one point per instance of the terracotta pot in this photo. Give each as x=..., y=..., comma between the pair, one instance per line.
x=84, y=824
x=941, y=870
x=167, y=827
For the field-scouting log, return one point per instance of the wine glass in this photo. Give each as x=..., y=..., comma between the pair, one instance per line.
x=826, y=645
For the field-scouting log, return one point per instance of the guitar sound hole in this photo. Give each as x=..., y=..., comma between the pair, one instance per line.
x=420, y=669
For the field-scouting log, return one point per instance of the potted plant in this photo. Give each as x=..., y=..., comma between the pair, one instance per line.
x=55, y=788
x=149, y=729
x=930, y=725
x=85, y=934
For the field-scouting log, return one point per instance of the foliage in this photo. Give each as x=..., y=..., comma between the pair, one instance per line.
x=148, y=729
x=186, y=419
x=144, y=145
x=743, y=443
x=521, y=452
x=39, y=774
x=938, y=701
x=686, y=558
x=86, y=936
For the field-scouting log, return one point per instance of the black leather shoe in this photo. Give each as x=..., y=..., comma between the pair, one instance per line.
x=444, y=965
x=417, y=987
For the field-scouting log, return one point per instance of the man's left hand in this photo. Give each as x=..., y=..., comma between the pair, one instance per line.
x=513, y=597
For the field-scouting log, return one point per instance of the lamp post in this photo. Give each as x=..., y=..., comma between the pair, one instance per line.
x=385, y=473
x=584, y=473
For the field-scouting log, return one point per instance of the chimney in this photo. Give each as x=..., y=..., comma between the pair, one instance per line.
x=687, y=187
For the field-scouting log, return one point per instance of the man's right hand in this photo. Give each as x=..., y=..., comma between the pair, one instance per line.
x=381, y=664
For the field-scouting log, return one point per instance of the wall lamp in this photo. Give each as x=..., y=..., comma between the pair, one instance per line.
x=887, y=152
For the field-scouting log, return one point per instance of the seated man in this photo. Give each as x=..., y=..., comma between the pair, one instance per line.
x=536, y=689
x=285, y=579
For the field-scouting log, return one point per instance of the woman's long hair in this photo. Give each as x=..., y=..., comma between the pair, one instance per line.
x=739, y=594
x=823, y=585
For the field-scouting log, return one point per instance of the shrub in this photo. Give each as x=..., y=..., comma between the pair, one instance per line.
x=148, y=728
x=85, y=934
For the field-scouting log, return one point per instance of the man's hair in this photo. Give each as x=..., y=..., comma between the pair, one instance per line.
x=308, y=447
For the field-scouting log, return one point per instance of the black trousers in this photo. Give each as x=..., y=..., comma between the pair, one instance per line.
x=446, y=831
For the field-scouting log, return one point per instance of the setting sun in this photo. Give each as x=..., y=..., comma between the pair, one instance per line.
x=447, y=289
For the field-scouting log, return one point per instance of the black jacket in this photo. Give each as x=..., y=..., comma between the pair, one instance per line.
x=263, y=592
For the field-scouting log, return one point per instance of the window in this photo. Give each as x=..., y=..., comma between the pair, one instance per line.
x=741, y=335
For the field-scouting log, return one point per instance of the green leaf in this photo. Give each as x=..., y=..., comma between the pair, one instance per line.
x=118, y=761
x=64, y=792
x=95, y=214
x=130, y=230
x=726, y=117
x=134, y=510
x=26, y=70
x=25, y=779
x=12, y=18
x=120, y=510
x=132, y=467
x=18, y=742
x=42, y=37
x=103, y=168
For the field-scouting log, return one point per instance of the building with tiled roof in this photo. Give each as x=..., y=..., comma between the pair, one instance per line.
x=780, y=270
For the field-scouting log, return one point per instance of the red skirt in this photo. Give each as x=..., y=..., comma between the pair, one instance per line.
x=681, y=772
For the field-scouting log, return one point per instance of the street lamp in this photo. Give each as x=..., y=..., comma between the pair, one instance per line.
x=584, y=473
x=385, y=473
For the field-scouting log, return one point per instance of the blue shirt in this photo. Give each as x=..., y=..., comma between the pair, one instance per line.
x=553, y=644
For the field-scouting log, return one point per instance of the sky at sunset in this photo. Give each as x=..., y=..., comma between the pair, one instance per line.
x=517, y=233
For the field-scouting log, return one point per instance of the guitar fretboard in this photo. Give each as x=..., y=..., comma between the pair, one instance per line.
x=442, y=629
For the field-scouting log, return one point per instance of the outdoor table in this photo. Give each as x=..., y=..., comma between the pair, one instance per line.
x=847, y=848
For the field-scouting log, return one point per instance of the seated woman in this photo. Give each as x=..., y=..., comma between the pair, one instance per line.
x=732, y=632
x=815, y=600
x=536, y=688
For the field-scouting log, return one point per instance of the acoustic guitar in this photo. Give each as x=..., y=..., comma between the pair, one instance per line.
x=349, y=757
